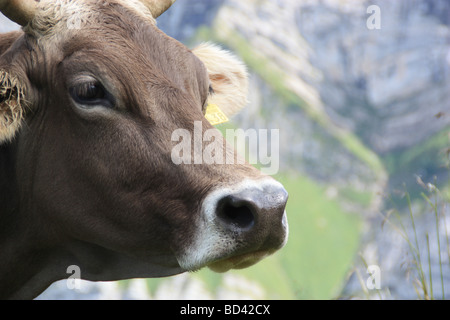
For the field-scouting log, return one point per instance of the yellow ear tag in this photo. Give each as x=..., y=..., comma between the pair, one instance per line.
x=214, y=115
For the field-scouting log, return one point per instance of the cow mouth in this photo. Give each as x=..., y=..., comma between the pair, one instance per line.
x=238, y=262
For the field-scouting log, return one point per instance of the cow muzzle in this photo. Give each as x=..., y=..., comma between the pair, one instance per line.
x=239, y=226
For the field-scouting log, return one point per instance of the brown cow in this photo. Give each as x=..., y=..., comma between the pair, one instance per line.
x=90, y=93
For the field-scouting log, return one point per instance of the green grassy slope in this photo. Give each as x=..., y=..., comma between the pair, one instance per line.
x=322, y=242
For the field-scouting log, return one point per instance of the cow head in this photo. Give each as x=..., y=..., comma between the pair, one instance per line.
x=90, y=94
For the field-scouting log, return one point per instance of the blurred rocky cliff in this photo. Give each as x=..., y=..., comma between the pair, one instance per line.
x=386, y=85
x=390, y=87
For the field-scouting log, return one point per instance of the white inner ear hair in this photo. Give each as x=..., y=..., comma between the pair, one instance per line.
x=228, y=76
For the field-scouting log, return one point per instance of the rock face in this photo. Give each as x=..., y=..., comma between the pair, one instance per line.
x=384, y=84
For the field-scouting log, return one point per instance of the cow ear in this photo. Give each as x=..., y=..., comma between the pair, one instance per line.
x=228, y=76
x=12, y=105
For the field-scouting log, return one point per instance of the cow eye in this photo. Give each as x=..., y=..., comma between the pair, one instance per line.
x=91, y=94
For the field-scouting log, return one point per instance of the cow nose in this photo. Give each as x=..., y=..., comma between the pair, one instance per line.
x=253, y=208
x=237, y=212
x=239, y=225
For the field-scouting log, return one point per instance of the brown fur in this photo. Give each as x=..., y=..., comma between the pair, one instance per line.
x=96, y=187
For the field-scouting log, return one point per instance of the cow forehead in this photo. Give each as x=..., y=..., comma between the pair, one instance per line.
x=56, y=16
x=115, y=29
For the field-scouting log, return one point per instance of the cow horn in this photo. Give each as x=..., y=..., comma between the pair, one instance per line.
x=157, y=7
x=19, y=11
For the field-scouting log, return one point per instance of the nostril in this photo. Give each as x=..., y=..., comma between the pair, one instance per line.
x=236, y=212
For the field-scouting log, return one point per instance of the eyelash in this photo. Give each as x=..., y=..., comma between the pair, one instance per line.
x=92, y=94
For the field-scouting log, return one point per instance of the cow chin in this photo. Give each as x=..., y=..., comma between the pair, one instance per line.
x=238, y=262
